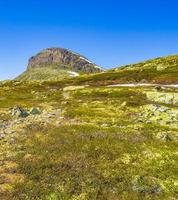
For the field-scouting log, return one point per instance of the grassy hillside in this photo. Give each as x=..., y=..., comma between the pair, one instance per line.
x=46, y=72
x=88, y=142
x=161, y=70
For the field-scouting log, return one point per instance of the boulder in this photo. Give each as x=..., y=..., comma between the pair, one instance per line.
x=35, y=111
x=19, y=112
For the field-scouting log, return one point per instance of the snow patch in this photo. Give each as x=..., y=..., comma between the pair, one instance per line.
x=73, y=74
x=85, y=60
x=98, y=67
x=90, y=62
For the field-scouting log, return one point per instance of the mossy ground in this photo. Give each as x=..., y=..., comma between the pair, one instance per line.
x=101, y=150
x=45, y=72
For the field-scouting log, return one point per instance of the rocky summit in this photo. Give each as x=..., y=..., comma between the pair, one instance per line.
x=61, y=57
x=58, y=63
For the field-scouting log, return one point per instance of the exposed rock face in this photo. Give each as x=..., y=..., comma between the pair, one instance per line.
x=159, y=114
x=60, y=57
x=163, y=97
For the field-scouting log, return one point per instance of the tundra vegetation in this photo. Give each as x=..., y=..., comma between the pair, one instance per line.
x=78, y=139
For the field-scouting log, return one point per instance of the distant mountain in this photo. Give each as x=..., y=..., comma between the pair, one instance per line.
x=57, y=63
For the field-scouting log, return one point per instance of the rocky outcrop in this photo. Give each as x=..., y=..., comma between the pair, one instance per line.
x=159, y=114
x=21, y=118
x=19, y=112
x=62, y=58
x=163, y=97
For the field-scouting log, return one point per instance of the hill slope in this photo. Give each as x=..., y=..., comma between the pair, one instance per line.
x=159, y=70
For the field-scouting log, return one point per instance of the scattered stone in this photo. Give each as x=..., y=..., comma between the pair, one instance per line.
x=2, y=135
x=66, y=95
x=19, y=112
x=165, y=137
x=163, y=115
x=35, y=111
x=124, y=104
x=161, y=67
x=146, y=185
x=163, y=97
x=158, y=88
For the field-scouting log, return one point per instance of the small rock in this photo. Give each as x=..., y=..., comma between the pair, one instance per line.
x=2, y=136
x=124, y=104
x=165, y=137
x=19, y=112
x=35, y=111
x=158, y=88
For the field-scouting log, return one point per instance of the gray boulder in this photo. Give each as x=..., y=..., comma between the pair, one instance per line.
x=35, y=111
x=19, y=112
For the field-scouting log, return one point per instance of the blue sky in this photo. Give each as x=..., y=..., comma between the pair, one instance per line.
x=110, y=33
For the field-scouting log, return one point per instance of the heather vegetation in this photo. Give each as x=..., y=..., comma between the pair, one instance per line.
x=81, y=138
x=87, y=142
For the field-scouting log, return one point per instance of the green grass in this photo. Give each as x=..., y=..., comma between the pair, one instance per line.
x=90, y=162
x=45, y=73
x=27, y=94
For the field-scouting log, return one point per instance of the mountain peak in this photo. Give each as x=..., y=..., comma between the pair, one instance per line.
x=61, y=57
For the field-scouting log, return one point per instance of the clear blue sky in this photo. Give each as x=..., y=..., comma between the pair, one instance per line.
x=108, y=32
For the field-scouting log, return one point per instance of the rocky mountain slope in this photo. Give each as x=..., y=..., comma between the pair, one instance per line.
x=57, y=63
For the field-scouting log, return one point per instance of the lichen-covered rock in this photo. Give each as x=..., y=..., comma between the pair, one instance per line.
x=165, y=137
x=19, y=112
x=163, y=97
x=160, y=114
x=147, y=185
x=161, y=67
x=35, y=111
